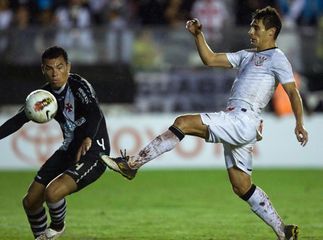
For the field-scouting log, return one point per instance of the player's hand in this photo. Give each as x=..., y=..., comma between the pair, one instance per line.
x=301, y=134
x=194, y=26
x=85, y=146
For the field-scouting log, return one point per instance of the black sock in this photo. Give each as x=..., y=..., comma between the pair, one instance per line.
x=57, y=212
x=177, y=132
x=248, y=194
x=37, y=221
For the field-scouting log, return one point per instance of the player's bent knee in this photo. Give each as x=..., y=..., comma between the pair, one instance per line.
x=191, y=125
x=236, y=190
x=53, y=194
x=52, y=197
x=239, y=190
x=180, y=122
x=26, y=203
x=183, y=124
x=60, y=188
x=30, y=203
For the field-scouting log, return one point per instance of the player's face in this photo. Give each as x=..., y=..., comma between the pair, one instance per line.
x=56, y=71
x=259, y=36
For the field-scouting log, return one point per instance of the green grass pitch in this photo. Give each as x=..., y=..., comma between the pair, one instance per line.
x=172, y=205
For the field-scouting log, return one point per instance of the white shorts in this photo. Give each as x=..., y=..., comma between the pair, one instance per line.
x=236, y=130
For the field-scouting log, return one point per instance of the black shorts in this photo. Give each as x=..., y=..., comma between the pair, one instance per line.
x=84, y=172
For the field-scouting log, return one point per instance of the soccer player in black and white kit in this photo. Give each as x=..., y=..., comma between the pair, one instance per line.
x=76, y=163
x=238, y=127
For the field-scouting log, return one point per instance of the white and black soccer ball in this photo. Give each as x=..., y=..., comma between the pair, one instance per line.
x=40, y=106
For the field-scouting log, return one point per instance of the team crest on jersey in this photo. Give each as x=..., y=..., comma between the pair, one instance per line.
x=68, y=107
x=259, y=61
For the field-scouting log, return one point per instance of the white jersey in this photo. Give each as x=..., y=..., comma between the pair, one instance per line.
x=258, y=76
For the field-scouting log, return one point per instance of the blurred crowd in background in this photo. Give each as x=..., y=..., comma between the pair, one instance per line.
x=149, y=35
x=85, y=13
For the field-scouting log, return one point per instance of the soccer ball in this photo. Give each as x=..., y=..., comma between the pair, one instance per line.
x=40, y=106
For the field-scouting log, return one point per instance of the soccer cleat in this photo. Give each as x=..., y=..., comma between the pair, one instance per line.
x=41, y=237
x=120, y=165
x=291, y=232
x=51, y=234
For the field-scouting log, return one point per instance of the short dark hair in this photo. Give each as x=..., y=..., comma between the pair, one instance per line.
x=270, y=18
x=54, y=52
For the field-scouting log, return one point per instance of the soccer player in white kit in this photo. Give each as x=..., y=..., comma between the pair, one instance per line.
x=239, y=126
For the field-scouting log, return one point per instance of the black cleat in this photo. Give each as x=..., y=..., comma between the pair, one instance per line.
x=120, y=165
x=291, y=232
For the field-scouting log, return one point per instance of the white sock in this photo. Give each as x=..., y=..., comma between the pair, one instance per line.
x=161, y=144
x=261, y=205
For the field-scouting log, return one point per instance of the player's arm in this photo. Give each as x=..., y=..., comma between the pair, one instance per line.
x=208, y=57
x=93, y=117
x=297, y=106
x=13, y=124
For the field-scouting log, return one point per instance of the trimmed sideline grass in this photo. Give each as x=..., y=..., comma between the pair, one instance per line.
x=172, y=205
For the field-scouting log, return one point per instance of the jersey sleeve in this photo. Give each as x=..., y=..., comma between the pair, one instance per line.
x=282, y=69
x=13, y=124
x=91, y=108
x=235, y=58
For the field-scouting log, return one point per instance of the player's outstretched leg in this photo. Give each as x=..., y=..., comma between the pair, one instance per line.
x=128, y=166
x=120, y=165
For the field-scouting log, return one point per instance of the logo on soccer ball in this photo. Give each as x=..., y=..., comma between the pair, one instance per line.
x=40, y=105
